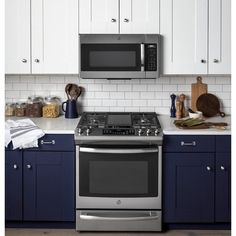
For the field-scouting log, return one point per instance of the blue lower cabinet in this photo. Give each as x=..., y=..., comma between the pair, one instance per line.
x=188, y=187
x=49, y=186
x=13, y=185
x=223, y=187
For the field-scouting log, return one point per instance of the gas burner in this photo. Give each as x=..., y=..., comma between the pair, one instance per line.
x=119, y=124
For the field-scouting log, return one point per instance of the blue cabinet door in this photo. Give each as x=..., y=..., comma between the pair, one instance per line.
x=13, y=185
x=188, y=187
x=49, y=186
x=223, y=187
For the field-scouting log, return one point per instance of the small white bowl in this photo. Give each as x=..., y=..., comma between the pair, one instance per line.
x=197, y=114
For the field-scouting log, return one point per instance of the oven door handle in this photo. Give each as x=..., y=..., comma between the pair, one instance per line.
x=87, y=216
x=118, y=151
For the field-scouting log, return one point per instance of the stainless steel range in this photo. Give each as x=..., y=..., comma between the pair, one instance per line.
x=118, y=172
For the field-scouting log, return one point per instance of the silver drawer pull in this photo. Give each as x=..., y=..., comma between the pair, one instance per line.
x=15, y=166
x=222, y=167
x=193, y=143
x=208, y=168
x=48, y=142
x=28, y=166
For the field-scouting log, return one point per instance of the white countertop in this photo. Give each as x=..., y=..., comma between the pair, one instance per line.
x=169, y=128
x=61, y=125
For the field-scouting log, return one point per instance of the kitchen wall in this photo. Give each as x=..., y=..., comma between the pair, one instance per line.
x=118, y=95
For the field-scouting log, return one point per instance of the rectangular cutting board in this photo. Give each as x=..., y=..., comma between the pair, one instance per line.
x=197, y=89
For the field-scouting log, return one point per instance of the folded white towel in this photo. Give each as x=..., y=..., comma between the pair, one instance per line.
x=23, y=133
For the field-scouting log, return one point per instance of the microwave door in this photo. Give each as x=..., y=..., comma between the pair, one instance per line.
x=112, y=60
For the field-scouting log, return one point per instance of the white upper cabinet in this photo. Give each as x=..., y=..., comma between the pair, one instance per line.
x=118, y=16
x=49, y=39
x=17, y=37
x=183, y=30
x=195, y=36
x=139, y=16
x=98, y=16
x=219, y=36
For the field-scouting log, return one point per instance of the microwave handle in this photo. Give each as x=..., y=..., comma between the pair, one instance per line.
x=142, y=56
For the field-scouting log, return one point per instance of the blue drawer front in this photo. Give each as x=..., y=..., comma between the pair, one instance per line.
x=53, y=142
x=223, y=143
x=189, y=143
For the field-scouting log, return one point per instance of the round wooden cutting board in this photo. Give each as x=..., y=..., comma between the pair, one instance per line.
x=209, y=105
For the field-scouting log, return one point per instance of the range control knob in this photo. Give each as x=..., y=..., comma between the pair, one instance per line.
x=140, y=132
x=79, y=130
x=157, y=131
x=88, y=131
x=148, y=131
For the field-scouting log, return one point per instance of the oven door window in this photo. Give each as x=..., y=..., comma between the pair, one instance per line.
x=110, y=57
x=118, y=175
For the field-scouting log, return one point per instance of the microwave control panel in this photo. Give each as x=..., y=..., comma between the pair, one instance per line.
x=150, y=57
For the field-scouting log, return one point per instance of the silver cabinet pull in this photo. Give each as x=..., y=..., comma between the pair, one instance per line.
x=208, y=168
x=193, y=143
x=15, y=166
x=203, y=61
x=37, y=60
x=222, y=167
x=126, y=20
x=24, y=60
x=29, y=166
x=87, y=216
x=215, y=60
x=113, y=20
x=116, y=150
x=48, y=142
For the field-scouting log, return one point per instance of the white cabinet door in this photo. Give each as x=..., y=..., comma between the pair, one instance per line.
x=139, y=16
x=17, y=36
x=183, y=27
x=54, y=36
x=98, y=16
x=219, y=36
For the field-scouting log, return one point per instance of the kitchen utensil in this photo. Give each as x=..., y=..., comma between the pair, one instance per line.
x=75, y=91
x=67, y=90
x=197, y=114
x=70, y=109
x=197, y=89
x=209, y=105
x=199, y=124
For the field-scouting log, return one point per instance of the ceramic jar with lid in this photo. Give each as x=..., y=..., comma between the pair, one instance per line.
x=51, y=107
x=20, y=109
x=34, y=106
x=10, y=109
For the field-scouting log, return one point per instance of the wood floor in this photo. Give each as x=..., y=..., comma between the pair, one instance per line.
x=71, y=232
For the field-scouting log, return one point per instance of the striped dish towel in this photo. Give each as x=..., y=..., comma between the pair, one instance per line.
x=23, y=133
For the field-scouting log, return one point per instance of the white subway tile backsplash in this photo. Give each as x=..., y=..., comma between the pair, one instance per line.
x=168, y=87
x=94, y=87
x=147, y=95
x=109, y=102
x=118, y=95
x=109, y=87
x=140, y=103
x=132, y=95
x=139, y=87
x=154, y=87
x=124, y=103
x=124, y=87
x=19, y=86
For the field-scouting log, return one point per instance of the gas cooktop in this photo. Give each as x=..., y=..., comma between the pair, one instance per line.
x=132, y=124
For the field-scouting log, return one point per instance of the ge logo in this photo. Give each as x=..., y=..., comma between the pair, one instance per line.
x=118, y=202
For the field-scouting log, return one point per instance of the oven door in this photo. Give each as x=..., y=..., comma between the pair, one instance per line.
x=120, y=178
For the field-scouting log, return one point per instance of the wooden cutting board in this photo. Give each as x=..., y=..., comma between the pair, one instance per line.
x=197, y=89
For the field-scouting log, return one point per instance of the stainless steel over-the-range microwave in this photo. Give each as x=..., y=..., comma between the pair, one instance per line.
x=119, y=56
